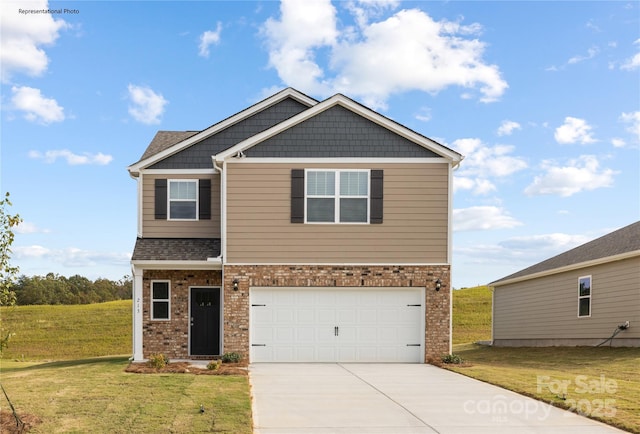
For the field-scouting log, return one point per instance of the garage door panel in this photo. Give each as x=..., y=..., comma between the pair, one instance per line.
x=337, y=324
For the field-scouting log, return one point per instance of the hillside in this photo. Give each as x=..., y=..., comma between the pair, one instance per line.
x=471, y=315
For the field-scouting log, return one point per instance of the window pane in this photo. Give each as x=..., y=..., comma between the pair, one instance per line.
x=182, y=210
x=585, y=286
x=160, y=290
x=320, y=210
x=160, y=310
x=353, y=210
x=354, y=183
x=321, y=183
x=585, y=307
x=182, y=190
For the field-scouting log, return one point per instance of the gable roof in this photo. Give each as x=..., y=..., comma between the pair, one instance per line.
x=355, y=107
x=620, y=244
x=163, y=147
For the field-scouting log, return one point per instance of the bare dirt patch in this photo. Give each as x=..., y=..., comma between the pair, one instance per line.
x=9, y=425
x=187, y=368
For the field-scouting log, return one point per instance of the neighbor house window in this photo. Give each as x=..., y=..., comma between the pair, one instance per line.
x=160, y=301
x=337, y=196
x=584, y=296
x=183, y=199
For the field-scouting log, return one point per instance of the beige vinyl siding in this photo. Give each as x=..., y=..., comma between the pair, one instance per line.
x=414, y=229
x=152, y=228
x=547, y=307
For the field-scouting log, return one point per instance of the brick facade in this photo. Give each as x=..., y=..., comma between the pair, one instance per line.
x=171, y=337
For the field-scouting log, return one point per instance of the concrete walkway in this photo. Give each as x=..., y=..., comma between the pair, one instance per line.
x=398, y=399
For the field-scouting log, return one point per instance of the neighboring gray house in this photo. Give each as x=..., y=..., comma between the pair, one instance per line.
x=577, y=298
x=294, y=230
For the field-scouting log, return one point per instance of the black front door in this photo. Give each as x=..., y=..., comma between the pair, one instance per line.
x=205, y=321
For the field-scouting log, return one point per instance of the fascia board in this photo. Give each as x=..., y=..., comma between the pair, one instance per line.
x=286, y=93
x=566, y=268
x=211, y=264
x=343, y=101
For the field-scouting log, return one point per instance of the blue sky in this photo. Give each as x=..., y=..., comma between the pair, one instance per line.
x=543, y=99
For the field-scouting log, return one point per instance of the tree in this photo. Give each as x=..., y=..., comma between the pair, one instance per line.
x=7, y=272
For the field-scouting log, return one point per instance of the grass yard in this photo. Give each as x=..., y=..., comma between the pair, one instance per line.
x=67, y=332
x=603, y=383
x=96, y=395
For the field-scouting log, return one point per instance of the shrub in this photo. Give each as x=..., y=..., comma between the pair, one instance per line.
x=231, y=357
x=214, y=365
x=453, y=359
x=158, y=361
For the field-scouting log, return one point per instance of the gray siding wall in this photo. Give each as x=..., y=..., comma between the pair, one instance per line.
x=198, y=156
x=152, y=228
x=547, y=307
x=338, y=132
x=414, y=230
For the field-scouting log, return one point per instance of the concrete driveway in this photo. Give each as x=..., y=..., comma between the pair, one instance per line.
x=396, y=398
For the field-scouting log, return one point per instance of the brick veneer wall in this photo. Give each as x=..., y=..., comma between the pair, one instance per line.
x=438, y=311
x=172, y=337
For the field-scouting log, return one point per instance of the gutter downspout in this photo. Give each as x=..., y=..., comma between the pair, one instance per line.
x=223, y=238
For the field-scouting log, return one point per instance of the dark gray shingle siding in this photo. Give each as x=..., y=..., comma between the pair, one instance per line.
x=198, y=156
x=338, y=132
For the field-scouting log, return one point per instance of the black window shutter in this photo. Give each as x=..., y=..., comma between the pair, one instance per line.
x=376, y=199
x=161, y=199
x=204, y=196
x=297, y=195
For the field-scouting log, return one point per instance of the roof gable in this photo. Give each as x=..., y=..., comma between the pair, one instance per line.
x=163, y=148
x=348, y=104
x=622, y=241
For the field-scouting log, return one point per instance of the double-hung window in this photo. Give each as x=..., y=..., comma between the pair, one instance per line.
x=337, y=196
x=160, y=300
x=584, y=296
x=183, y=199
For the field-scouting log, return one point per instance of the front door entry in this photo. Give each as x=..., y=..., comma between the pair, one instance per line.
x=205, y=321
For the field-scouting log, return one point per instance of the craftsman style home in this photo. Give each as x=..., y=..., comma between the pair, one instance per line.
x=294, y=230
x=584, y=296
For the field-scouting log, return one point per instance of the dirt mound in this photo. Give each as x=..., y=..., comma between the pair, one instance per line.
x=186, y=368
x=8, y=424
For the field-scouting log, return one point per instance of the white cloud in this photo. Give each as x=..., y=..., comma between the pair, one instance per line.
x=591, y=53
x=23, y=37
x=406, y=51
x=617, y=142
x=633, y=62
x=99, y=159
x=37, y=108
x=482, y=218
x=580, y=174
x=507, y=127
x=146, y=105
x=555, y=242
x=30, y=228
x=424, y=114
x=478, y=186
x=71, y=256
x=633, y=119
x=574, y=130
x=487, y=161
x=209, y=38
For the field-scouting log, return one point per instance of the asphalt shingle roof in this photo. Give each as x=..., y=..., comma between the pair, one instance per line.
x=624, y=240
x=176, y=249
x=165, y=139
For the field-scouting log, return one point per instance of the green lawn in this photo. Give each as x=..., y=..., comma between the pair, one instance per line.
x=603, y=383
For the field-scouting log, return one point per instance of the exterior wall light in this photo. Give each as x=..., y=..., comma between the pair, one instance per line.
x=235, y=284
x=438, y=284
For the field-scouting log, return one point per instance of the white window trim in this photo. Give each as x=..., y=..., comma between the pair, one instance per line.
x=168, y=300
x=169, y=200
x=336, y=196
x=581, y=297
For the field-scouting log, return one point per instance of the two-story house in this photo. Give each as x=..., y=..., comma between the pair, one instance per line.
x=294, y=230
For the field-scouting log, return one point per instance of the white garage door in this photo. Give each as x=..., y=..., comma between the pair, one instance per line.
x=337, y=324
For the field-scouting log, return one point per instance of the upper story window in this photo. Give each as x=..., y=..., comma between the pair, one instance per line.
x=584, y=296
x=160, y=300
x=183, y=199
x=337, y=196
